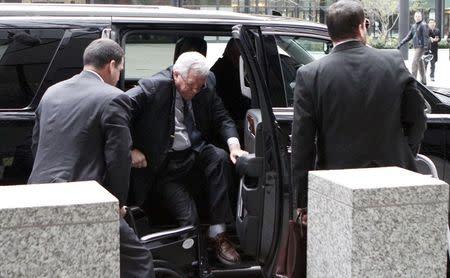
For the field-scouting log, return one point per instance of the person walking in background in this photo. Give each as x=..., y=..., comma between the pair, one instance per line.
x=419, y=34
x=435, y=37
x=368, y=113
x=82, y=133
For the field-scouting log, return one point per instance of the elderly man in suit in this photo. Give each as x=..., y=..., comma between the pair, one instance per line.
x=356, y=107
x=180, y=103
x=82, y=133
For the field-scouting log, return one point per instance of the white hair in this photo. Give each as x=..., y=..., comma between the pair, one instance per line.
x=191, y=61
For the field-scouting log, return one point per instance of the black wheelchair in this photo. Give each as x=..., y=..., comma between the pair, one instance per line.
x=183, y=252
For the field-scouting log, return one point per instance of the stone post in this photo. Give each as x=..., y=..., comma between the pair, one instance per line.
x=58, y=230
x=376, y=222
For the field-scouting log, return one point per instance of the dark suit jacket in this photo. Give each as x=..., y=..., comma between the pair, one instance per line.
x=81, y=133
x=357, y=107
x=154, y=120
x=433, y=33
x=419, y=34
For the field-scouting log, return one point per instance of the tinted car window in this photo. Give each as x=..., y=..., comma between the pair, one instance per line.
x=15, y=153
x=25, y=56
x=295, y=52
x=69, y=58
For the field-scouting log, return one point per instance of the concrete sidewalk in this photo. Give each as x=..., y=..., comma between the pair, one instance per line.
x=442, y=71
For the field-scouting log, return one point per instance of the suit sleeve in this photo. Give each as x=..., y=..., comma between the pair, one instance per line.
x=422, y=35
x=117, y=146
x=36, y=131
x=304, y=130
x=408, y=37
x=221, y=118
x=413, y=115
x=139, y=100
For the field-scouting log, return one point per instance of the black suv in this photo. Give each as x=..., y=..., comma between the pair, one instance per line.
x=43, y=44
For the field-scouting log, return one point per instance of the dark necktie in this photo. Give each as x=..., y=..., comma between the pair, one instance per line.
x=194, y=134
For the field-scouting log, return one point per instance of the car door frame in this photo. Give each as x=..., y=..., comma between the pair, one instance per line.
x=274, y=173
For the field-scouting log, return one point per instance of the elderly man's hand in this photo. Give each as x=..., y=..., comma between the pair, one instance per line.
x=138, y=159
x=235, y=153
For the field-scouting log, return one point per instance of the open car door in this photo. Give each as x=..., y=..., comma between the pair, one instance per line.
x=264, y=194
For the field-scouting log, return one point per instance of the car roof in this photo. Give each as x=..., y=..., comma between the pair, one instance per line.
x=144, y=12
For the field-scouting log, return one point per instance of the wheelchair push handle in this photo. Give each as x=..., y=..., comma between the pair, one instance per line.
x=429, y=163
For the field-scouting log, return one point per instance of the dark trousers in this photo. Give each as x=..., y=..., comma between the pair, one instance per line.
x=177, y=179
x=432, y=67
x=419, y=65
x=135, y=259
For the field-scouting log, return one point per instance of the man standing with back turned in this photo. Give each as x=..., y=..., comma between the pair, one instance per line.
x=368, y=113
x=81, y=133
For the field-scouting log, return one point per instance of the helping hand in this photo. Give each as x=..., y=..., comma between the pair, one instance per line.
x=138, y=159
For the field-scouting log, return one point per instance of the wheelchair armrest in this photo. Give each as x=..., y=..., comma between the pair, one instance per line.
x=167, y=234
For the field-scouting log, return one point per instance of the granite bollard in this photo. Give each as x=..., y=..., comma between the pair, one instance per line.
x=58, y=230
x=376, y=222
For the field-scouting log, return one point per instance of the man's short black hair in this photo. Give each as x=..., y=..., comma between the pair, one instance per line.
x=101, y=52
x=344, y=18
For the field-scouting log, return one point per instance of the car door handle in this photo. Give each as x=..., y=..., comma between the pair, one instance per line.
x=250, y=166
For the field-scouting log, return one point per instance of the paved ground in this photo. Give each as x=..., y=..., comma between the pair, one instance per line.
x=442, y=72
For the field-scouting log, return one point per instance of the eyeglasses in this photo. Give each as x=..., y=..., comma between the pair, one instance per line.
x=367, y=23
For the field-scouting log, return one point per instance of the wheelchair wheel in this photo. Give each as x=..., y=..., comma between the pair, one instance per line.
x=164, y=269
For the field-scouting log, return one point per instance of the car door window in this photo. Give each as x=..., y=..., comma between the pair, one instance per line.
x=63, y=60
x=286, y=54
x=294, y=52
x=148, y=52
x=24, y=57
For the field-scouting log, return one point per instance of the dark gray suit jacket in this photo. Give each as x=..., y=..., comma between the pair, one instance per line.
x=357, y=107
x=82, y=133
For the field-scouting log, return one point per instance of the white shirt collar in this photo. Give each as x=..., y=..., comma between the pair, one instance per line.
x=350, y=40
x=98, y=75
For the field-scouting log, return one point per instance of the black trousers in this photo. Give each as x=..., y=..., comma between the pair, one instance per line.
x=432, y=66
x=178, y=178
x=135, y=259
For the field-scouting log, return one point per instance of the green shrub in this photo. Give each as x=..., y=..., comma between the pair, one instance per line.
x=443, y=43
x=381, y=43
